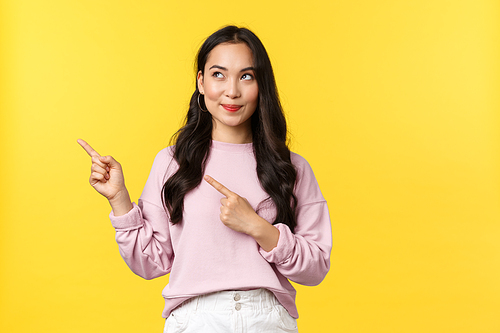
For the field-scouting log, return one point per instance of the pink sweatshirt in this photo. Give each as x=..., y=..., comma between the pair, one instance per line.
x=202, y=255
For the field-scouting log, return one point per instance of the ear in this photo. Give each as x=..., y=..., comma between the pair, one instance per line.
x=199, y=79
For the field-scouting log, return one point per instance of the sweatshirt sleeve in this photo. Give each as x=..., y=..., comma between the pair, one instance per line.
x=143, y=234
x=304, y=257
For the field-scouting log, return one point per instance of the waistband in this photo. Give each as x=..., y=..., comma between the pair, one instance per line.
x=257, y=300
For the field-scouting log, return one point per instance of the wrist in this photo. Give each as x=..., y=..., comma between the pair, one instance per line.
x=257, y=227
x=121, y=203
x=265, y=234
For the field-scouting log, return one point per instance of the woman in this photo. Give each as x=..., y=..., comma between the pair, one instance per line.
x=229, y=211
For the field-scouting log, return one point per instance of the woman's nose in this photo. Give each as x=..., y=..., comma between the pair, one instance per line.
x=232, y=89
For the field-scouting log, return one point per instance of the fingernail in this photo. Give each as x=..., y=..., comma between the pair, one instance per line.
x=207, y=178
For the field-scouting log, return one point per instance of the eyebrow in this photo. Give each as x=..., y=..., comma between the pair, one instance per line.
x=225, y=69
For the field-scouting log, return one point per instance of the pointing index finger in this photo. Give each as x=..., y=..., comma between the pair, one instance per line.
x=218, y=186
x=88, y=148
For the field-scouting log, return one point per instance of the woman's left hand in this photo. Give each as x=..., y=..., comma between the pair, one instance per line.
x=237, y=214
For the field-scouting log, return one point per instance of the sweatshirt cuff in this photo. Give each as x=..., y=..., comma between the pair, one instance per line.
x=285, y=246
x=131, y=220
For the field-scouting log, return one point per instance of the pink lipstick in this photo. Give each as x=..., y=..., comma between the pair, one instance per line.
x=231, y=107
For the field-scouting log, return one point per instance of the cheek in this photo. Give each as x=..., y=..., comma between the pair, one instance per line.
x=253, y=95
x=212, y=91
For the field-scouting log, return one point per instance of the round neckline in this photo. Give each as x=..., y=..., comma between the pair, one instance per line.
x=232, y=147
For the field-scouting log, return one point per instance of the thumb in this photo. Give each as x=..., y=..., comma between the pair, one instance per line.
x=110, y=161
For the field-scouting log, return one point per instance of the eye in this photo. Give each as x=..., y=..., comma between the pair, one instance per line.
x=217, y=75
x=247, y=77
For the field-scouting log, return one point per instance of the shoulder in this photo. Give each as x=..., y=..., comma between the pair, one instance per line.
x=164, y=161
x=306, y=186
x=163, y=166
x=298, y=161
x=303, y=167
x=165, y=155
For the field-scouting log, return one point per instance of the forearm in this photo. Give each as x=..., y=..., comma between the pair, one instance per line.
x=144, y=241
x=121, y=203
x=265, y=234
x=299, y=258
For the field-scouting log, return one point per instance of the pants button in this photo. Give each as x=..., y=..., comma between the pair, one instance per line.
x=237, y=297
x=237, y=306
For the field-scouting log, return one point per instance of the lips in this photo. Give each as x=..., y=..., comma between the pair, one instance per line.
x=231, y=107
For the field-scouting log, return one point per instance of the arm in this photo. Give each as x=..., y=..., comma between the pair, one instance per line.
x=143, y=234
x=142, y=231
x=143, y=239
x=304, y=257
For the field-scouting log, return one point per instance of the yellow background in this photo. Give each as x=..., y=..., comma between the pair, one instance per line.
x=395, y=104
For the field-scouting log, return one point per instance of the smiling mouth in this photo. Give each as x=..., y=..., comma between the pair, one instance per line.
x=231, y=107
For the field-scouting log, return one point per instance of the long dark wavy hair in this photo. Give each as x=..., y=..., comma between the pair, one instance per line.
x=276, y=173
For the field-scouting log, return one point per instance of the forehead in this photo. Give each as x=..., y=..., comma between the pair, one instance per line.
x=231, y=56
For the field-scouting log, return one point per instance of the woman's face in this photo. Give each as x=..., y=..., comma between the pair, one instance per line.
x=230, y=91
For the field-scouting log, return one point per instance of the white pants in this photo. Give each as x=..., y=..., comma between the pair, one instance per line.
x=256, y=311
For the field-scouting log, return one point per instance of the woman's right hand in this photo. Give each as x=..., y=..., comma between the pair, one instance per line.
x=106, y=177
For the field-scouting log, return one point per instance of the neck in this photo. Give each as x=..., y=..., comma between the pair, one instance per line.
x=237, y=135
